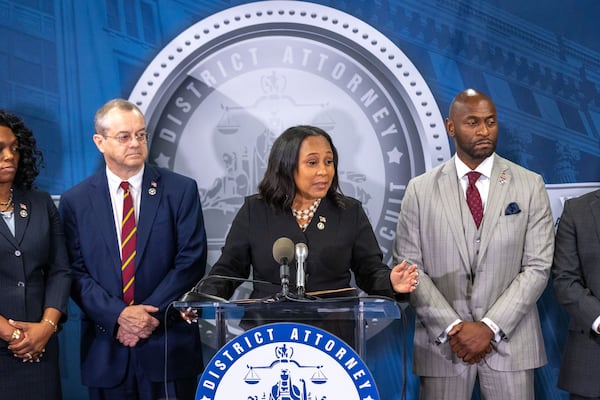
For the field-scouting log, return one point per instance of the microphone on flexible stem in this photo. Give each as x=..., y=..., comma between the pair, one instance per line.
x=195, y=295
x=283, y=252
x=301, y=254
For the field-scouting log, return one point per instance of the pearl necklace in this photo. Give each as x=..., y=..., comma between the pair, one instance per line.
x=303, y=217
x=7, y=204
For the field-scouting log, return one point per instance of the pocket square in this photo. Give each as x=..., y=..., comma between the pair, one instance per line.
x=512, y=208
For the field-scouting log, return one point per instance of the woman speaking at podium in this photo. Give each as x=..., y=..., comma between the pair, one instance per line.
x=299, y=199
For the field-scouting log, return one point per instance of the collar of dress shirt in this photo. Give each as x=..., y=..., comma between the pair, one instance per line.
x=135, y=182
x=485, y=168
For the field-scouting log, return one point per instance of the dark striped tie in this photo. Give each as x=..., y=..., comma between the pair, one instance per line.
x=128, y=243
x=473, y=198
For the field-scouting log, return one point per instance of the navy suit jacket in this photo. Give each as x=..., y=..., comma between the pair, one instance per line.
x=171, y=257
x=34, y=271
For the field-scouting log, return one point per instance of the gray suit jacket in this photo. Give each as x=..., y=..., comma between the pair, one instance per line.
x=504, y=281
x=576, y=273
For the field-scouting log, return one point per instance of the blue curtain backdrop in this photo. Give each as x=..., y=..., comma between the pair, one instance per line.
x=61, y=59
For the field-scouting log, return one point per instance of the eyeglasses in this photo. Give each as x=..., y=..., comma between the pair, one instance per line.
x=124, y=138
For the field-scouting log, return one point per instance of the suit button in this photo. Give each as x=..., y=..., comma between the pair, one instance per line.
x=21, y=284
x=18, y=253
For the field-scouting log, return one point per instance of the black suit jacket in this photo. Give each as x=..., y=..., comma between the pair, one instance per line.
x=345, y=243
x=576, y=273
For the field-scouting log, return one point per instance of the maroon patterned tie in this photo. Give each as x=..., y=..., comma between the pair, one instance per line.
x=474, y=199
x=128, y=243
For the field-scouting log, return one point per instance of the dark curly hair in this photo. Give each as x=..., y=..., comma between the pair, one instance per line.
x=30, y=158
x=278, y=187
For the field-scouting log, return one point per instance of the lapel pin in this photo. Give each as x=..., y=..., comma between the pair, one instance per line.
x=23, y=213
x=321, y=223
x=152, y=190
x=503, y=178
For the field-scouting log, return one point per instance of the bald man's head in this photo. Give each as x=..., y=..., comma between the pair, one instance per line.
x=472, y=123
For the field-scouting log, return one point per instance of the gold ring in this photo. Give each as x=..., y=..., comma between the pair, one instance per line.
x=16, y=335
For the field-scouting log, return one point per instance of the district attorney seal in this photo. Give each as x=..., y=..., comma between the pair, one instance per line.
x=217, y=96
x=286, y=361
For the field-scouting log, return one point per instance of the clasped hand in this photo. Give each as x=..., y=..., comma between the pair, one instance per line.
x=471, y=341
x=135, y=323
x=31, y=343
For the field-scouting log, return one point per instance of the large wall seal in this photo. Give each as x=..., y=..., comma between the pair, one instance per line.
x=217, y=96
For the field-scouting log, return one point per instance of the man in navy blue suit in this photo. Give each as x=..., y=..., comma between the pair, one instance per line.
x=123, y=354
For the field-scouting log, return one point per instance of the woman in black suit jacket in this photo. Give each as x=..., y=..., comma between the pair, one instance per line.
x=34, y=272
x=299, y=199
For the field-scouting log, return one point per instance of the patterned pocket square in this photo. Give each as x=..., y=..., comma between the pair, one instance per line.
x=512, y=208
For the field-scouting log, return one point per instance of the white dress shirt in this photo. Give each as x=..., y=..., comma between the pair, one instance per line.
x=116, y=197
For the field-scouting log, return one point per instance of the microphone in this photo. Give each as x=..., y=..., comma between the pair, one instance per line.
x=283, y=252
x=301, y=254
x=197, y=295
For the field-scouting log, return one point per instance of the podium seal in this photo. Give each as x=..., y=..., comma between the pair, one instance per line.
x=286, y=361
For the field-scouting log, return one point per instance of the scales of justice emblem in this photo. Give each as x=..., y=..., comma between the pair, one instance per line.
x=285, y=388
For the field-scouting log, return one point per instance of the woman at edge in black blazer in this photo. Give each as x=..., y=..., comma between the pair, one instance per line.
x=34, y=271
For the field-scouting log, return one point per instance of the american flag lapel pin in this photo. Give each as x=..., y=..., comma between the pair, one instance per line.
x=152, y=190
x=321, y=223
x=23, y=210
